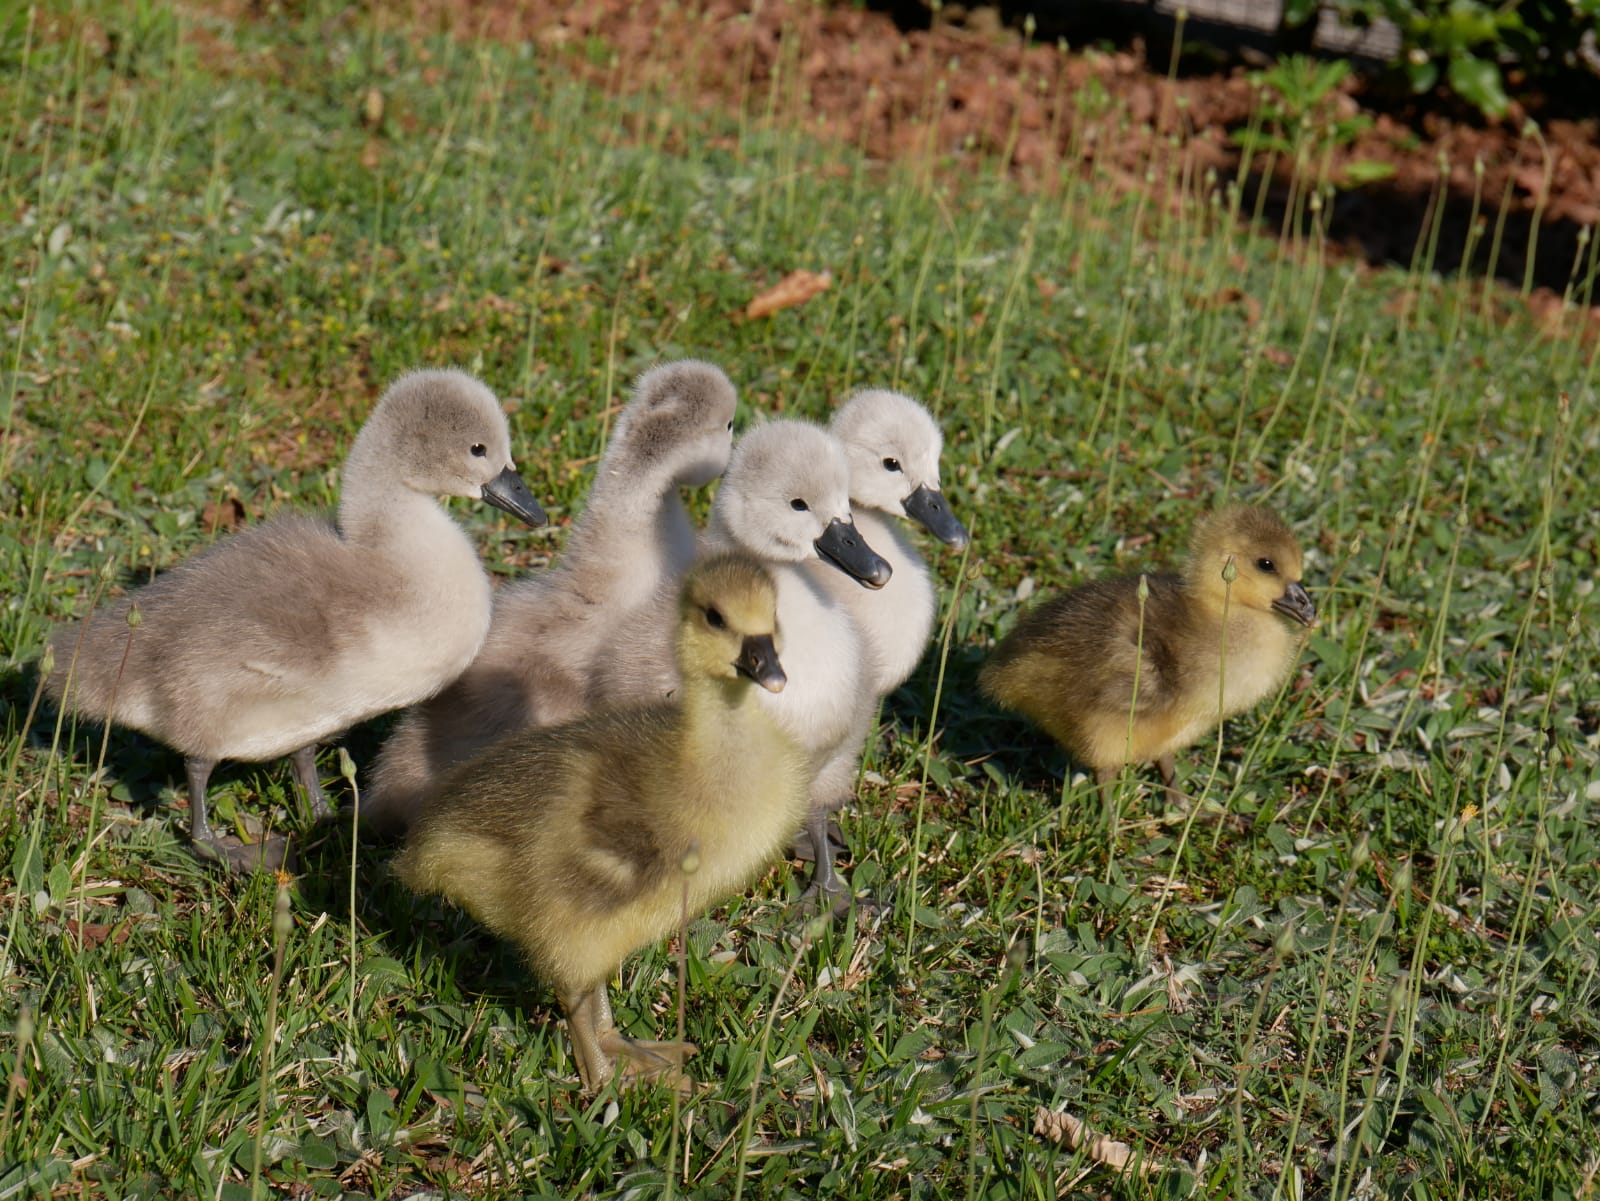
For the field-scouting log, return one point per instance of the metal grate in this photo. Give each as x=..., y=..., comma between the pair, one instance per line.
x=1380, y=40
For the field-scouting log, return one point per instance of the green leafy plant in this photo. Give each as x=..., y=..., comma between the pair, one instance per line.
x=1299, y=116
x=1473, y=46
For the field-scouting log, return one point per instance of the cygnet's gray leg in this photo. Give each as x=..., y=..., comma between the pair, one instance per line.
x=304, y=763
x=199, y=773
x=266, y=855
x=823, y=878
x=827, y=890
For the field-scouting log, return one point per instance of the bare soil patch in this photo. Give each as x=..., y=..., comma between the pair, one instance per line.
x=954, y=93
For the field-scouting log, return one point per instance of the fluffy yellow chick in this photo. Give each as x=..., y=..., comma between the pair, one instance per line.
x=577, y=842
x=1215, y=640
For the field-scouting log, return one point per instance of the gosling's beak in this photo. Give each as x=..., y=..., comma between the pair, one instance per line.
x=1296, y=602
x=842, y=545
x=927, y=506
x=507, y=491
x=758, y=661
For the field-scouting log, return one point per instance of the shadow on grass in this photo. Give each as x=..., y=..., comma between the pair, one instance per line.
x=973, y=730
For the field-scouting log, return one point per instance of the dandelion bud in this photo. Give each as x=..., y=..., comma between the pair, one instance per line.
x=1283, y=945
x=135, y=618
x=1398, y=992
x=280, y=913
x=1402, y=879
x=347, y=765
x=691, y=859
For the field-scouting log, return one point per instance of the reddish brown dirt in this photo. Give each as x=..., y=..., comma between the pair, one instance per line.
x=947, y=92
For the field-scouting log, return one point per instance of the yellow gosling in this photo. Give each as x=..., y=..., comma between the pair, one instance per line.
x=1210, y=647
x=576, y=842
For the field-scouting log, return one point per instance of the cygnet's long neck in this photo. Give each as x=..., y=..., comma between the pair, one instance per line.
x=633, y=527
x=378, y=509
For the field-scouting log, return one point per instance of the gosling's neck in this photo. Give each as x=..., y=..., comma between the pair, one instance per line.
x=1252, y=648
x=715, y=708
x=712, y=701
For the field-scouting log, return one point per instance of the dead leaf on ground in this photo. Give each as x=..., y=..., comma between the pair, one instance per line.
x=1227, y=296
x=93, y=934
x=1400, y=304
x=793, y=289
x=226, y=514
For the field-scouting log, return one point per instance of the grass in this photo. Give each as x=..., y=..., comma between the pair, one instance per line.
x=1364, y=966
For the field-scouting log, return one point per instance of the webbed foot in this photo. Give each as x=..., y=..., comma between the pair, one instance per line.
x=643, y=1061
x=805, y=850
x=270, y=854
x=832, y=899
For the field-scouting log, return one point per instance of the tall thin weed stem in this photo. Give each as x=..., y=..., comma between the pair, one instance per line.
x=945, y=634
x=281, y=923
x=813, y=930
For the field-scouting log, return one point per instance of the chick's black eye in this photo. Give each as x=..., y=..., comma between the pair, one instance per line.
x=798, y=505
x=1267, y=565
x=479, y=450
x=715, y=620
x=891, y=464
x=730, y=427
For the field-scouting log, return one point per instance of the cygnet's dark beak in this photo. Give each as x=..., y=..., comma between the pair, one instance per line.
x=758, y=661
x=1296, y=602
x=842, y=545
x=507, y=491
x=927, y=506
